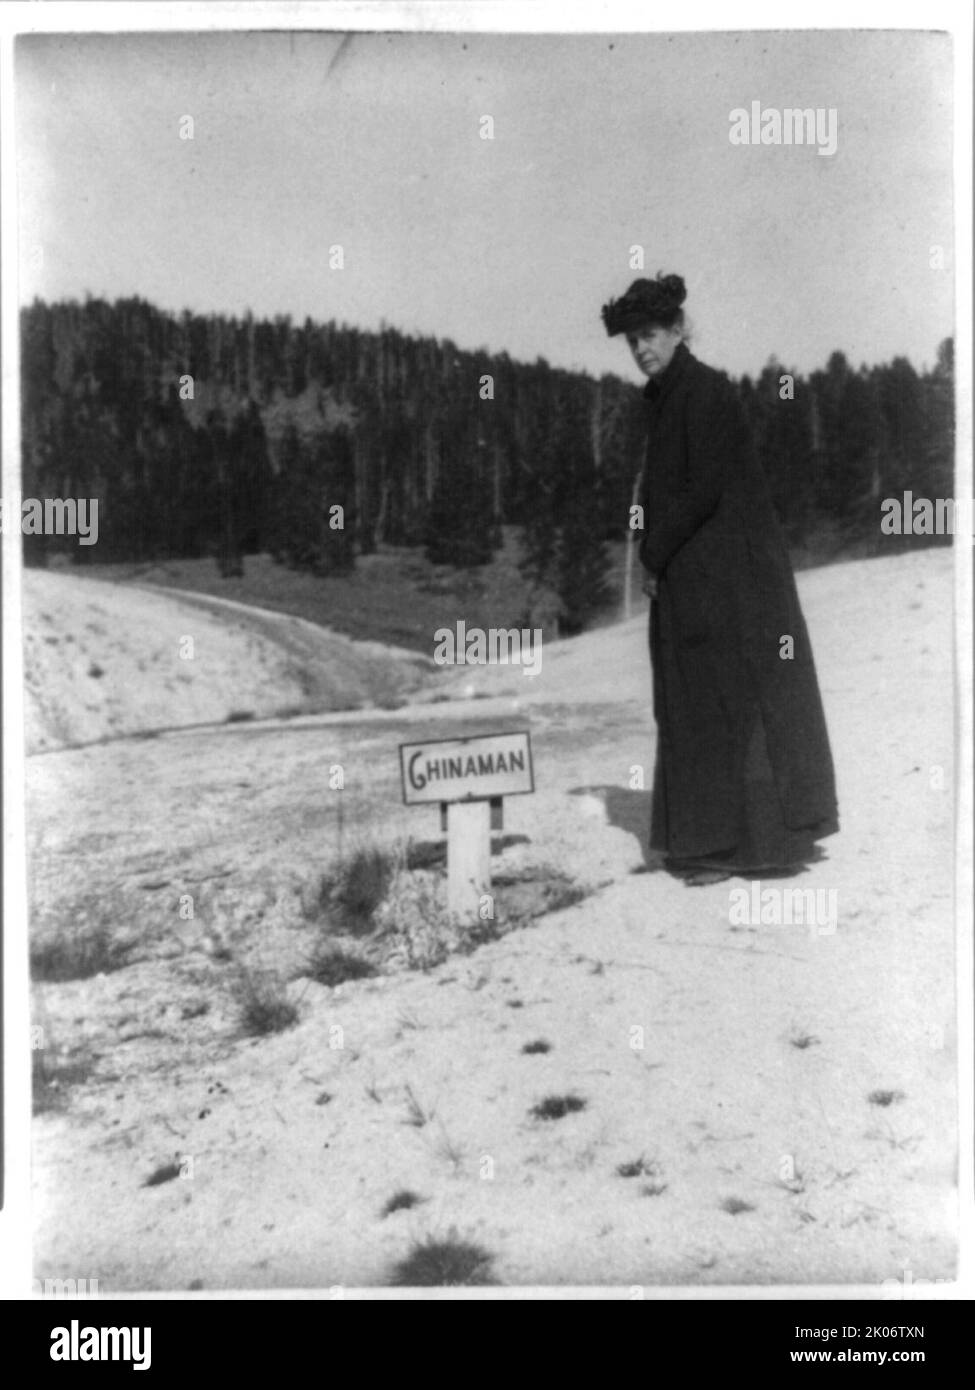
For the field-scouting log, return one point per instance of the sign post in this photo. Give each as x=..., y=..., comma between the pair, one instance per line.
x=468, y=777
x=468, y=857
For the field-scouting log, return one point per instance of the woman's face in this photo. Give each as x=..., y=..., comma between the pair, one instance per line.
x=653, y=347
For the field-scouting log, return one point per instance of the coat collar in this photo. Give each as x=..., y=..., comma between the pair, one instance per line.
x=655, y=390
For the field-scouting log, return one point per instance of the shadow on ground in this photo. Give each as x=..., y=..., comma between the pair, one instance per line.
x=629, y=811
x=431, y=854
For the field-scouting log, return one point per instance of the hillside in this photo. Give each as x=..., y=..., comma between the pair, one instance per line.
x=103, y=660
x=755, y=1103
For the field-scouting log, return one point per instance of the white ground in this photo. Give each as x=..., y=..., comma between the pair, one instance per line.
x=760, y=1044
x=103, y=660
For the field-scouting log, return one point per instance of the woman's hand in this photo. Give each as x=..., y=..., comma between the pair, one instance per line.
x=650, y=585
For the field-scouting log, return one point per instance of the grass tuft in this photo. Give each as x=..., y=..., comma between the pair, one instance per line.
x=358, y=885
x=417, y=1114
x=636, y=1168
x=402, y=1200
x=884, y=1098
x=77, y=955
x=264, y=1003
x=449, y=1262
x=557, y=1107
x=330, y=964
x=734, y=1206
x=166, y=1172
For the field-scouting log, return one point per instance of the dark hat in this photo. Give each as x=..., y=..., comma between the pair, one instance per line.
x=645, y=302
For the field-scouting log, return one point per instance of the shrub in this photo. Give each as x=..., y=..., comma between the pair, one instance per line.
x=357, y=886
x=330, y=964
x=264, y=1004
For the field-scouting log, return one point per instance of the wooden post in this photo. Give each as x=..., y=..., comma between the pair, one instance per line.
x=630, y=547
x=468, y=857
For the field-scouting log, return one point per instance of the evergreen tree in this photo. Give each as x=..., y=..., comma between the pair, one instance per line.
x=172, y=422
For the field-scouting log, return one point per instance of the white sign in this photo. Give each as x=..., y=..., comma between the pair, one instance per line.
x=466, y=769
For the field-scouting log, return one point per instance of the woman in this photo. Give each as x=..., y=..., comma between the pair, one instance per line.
x=743, y=782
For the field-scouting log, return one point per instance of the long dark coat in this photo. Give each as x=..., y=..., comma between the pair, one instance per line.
x=726, y=603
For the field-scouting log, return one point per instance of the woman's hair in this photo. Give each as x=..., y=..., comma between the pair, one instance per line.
x=647, y=302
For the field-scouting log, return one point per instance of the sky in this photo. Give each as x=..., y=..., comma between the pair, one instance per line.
x=601, y=143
